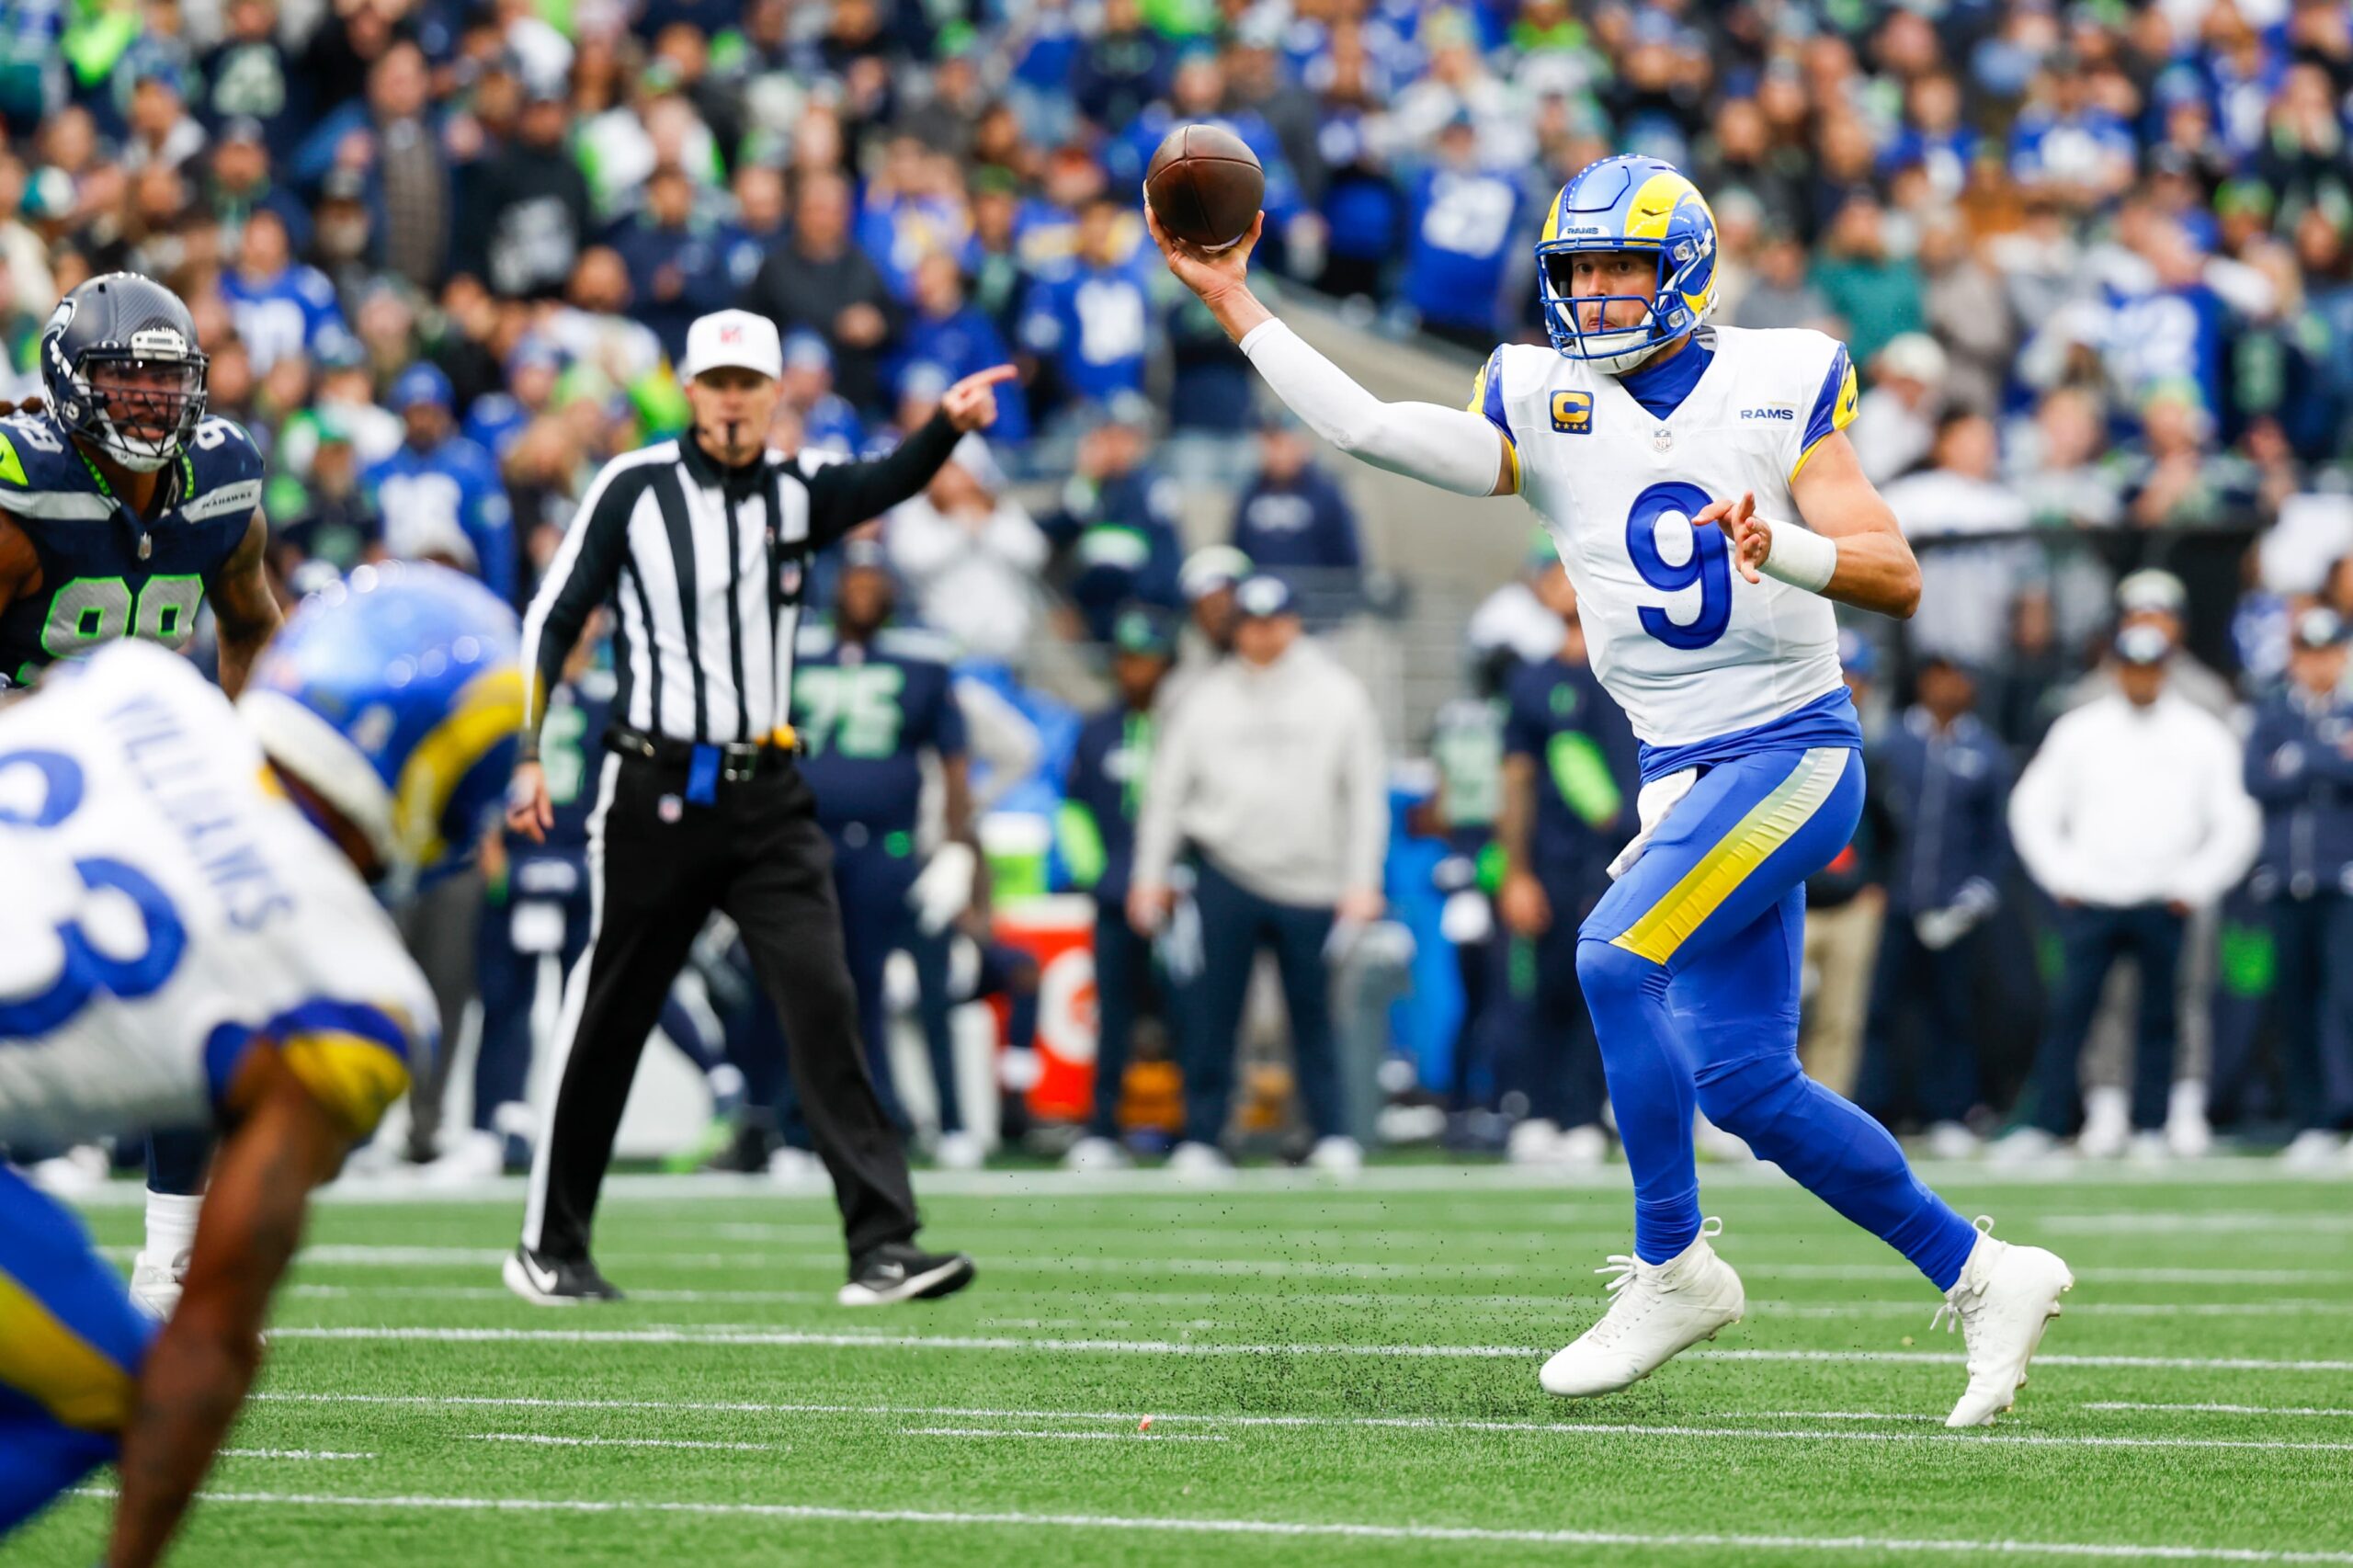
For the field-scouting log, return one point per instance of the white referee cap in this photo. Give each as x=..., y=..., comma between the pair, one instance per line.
x=732, y=340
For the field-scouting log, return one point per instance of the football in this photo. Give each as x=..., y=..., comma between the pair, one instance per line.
x=1205, y=185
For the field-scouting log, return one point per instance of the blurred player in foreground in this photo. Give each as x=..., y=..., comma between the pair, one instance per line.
x=192, y=939
x=1671, y=462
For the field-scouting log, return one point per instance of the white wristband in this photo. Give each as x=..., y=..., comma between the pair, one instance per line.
x=1800, y=557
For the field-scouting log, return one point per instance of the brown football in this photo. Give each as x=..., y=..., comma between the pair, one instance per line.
x=1205, y=185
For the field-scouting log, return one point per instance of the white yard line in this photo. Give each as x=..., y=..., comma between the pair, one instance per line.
x=723, y=1337
x=1644, y=1540
x=1387, y=1423
x=2218, y=1409
x=618, y=1442
x=288, y=1454
x=1084, y=1437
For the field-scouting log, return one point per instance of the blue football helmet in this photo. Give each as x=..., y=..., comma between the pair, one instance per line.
x=396, y=696
x=1628, y=203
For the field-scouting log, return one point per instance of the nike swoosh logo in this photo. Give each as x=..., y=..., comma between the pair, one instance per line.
x=892, y=1271
x=543, y=1280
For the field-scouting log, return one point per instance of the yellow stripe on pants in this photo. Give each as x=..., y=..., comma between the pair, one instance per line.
x=69, y=1376
x=1768, y=825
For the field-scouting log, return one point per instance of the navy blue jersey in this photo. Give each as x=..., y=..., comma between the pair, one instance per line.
x=105, y=572
x=866, y=715
x=1107, y=767
x=571, y=752
x=1585, y=768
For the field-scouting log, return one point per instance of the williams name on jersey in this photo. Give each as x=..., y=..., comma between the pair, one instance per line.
x=106, y=573
x=169, y=909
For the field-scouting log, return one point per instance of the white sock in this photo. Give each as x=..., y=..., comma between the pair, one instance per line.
x=171, y=1229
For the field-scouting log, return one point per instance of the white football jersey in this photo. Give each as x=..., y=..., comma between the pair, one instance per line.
x=1688, y=648
x=164, y=907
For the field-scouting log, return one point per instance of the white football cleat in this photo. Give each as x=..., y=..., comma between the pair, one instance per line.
x=958, y=1152
x=1335, y=1155
x=2314, y=1149
x=476, y=1157
x=2108, y=1124
x=81, y=1170
x=1953, y=1141
x=1659, y=1310
x=788, y=1166
x=1092, y=1156
x=155, y=1284
x=1195, y=1161
x=1582, y=1148
x=2189, y=1135
x=2021, y=1146
x=1531, y=1141
x=2004, y=1300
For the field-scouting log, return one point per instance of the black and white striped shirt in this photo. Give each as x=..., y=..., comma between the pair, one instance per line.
x=704, y=568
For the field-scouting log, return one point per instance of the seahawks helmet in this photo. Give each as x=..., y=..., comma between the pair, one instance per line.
x=1627, y=204
x=121, y=318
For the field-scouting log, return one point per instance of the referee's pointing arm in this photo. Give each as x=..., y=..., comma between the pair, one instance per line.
x=732, y=406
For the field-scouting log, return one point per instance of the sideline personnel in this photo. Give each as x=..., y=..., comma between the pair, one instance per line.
x=703, y=545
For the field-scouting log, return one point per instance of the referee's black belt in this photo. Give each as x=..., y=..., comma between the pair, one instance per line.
x=734, y=761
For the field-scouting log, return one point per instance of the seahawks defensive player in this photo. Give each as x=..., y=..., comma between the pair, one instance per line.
x=121, y=505
x=1702, y=492
x=187, y=940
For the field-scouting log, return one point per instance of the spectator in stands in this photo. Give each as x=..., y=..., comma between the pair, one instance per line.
x=1096, y=829
x=1294, y=517
x=439, y=495
x=1116, y=527
x=971, y=555
x=827, y=421
x=2155, y=598
x=1206, y=582
x=528, y=214
x=1090, y=314
x=1875, y=292
x=1271, y=773
x=944, y=330
x=1970, y=593
x=1895, y=421
x=1941, y=780
x=391, y=140
x=2131, y=815
x=824, y=282
x=671, y=252
x=280, y=307
x=1465, y=217
x=1781, y=293
x=2299, y=770
x=1843, y=905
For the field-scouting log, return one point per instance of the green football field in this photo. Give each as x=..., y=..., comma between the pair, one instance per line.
x=1331, y=1373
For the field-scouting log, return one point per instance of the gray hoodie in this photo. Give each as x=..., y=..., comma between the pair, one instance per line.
x=1276, y=776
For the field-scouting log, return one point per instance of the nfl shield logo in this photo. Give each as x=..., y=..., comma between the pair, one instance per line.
x=788, y=577
x=1664, y=439
x=669, y=808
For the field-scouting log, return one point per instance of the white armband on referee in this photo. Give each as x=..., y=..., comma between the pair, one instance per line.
x=1800, y=557
x=1451, y=447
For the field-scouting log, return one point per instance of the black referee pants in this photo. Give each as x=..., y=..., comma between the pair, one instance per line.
x=658, y=866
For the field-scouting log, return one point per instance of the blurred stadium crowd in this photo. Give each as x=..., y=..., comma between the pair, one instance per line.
x=2095, y=260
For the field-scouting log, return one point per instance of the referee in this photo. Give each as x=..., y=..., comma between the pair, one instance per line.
x=702, y=547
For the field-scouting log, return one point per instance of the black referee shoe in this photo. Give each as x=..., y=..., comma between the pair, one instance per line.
x=545, y=1283
x=898, y=1272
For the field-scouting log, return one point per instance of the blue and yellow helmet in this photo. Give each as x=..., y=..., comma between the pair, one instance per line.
x=396, y=696
x=1628, y=203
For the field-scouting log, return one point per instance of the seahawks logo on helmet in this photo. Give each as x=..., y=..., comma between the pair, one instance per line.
x=120, y=364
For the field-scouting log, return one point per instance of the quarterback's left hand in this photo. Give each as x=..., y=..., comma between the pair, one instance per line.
x=1750, y=535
